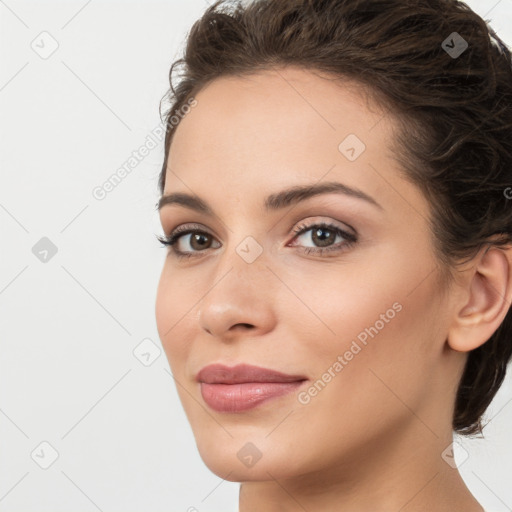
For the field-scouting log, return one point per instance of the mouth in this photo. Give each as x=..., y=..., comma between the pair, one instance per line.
x=243, y=387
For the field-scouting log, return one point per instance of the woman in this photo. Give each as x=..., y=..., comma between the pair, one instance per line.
x=335, y=301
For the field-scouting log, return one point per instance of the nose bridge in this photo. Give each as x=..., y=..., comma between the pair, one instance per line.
x=245, y=244
x=243, y=265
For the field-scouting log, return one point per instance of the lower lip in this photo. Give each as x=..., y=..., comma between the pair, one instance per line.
x=244, y=396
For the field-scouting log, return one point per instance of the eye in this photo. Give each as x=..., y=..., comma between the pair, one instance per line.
x=198, y=239
x=323, y=234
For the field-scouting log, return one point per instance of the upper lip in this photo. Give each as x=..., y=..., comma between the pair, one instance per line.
x=221, y=374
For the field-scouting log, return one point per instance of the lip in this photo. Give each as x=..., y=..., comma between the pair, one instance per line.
x=243, y=387
x=222, y=374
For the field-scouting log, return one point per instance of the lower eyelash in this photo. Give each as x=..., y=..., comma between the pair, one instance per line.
x=350, y=240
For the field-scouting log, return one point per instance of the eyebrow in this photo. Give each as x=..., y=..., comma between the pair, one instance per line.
x=275, y=201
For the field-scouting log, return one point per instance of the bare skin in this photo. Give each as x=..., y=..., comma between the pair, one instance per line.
x=373, y=437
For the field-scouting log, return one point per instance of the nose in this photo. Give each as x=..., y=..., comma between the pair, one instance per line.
x=239, y=298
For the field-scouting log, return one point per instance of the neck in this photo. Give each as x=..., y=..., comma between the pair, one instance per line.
x=406, y=474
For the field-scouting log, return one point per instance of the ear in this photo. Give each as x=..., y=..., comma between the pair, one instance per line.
x=487, y=298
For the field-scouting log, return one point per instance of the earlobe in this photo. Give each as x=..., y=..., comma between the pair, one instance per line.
x=488, y=298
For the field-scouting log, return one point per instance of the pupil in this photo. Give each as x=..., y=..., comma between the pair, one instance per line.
x=324, y=238
x=200, y=239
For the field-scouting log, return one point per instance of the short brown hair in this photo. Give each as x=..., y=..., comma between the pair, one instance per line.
x=454, y=111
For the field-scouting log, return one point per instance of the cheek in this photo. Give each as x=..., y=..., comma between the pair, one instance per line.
x=173, y=301
x=381, y=379
x=382, y=321
x=388, y=300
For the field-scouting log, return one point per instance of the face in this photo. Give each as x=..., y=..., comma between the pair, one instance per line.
x=336, y=288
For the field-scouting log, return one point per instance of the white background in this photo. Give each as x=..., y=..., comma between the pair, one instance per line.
x=69, y=326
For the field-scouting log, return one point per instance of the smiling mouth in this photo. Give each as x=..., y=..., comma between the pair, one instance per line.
x=243, y=387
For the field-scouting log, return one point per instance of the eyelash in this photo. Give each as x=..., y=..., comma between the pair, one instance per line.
x=350, y=239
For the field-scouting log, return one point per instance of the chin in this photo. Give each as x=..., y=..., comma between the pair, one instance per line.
x=239, y=459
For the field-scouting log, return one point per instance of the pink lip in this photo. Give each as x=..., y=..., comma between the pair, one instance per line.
x=242, y=387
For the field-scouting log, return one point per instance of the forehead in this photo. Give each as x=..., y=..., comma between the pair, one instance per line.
x=272, y=129
x=278, y=110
